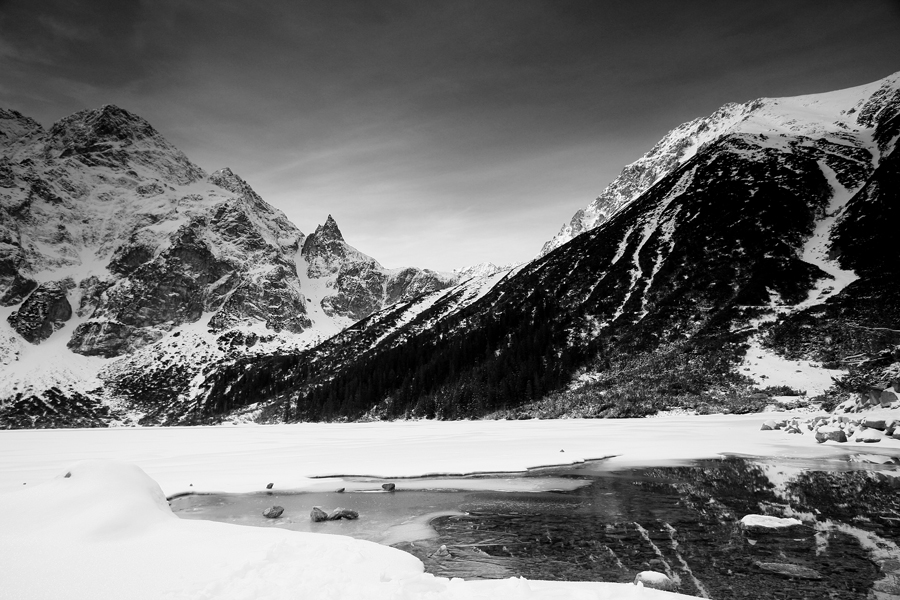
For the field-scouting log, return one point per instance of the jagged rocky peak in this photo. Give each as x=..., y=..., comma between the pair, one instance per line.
x=105, y=124
x=325, y=250
x=329, y=231
x=113, y=137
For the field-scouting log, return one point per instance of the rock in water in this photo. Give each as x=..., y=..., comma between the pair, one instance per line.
x=652, y=579
x=318, y=515
x=388, y=487
x=273, y=512
x=342, y=513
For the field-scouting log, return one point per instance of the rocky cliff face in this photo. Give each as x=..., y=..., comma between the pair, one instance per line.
x=111, y=240
x=771, y=241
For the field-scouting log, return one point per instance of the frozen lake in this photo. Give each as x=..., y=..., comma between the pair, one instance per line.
x=106, y=531
x=594, y=522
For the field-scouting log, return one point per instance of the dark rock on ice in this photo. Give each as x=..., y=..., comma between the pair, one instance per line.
x=343, y=513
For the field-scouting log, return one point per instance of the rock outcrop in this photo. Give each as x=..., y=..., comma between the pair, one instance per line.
x=45, y=310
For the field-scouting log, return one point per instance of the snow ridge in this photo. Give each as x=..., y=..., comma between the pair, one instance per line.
x=845, y=114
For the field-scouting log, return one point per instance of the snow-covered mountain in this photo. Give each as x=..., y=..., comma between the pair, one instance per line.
x=114, y=244
x=765, y=248
x=831, y=117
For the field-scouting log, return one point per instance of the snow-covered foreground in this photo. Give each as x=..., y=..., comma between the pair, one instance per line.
x=102, y=528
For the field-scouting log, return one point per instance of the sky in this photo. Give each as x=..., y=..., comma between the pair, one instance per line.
x=438, y=134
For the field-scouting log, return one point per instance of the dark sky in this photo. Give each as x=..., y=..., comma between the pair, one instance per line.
x=438, y=134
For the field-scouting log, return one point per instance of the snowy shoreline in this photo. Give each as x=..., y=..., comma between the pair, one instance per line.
x=245, y=458
x=83, y=513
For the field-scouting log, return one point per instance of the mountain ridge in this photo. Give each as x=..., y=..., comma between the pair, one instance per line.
x=681, y=143
x=668, y=303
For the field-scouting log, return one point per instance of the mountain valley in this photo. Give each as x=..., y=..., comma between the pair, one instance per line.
x=138, y=289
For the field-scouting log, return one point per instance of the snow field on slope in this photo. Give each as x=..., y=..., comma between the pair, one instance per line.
x=766, y=369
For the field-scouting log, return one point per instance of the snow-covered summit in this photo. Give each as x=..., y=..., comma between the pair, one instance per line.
x=113, y=137
x=485, y=269
x=842, y=116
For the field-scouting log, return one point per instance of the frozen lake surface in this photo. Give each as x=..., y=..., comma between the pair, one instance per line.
x=102, y=526
x=593, y=523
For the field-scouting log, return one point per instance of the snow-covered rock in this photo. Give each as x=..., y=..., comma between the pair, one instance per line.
x=830, y=433
x=654, y=580
x=767, y=522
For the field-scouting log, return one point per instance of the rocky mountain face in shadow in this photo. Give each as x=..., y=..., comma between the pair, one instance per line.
x=765, y=235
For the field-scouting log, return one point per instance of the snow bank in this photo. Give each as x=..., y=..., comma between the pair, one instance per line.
x=103, y=529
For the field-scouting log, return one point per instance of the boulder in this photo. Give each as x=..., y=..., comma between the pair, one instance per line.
x=874, y=423
x=317, y=515
x=768, y=425
x=789, y=570
x=830, y=433
x=388, y=487
x=869, y=436
x=655, y=580
x=343, y=513
x=273, y=512
x=888, y=397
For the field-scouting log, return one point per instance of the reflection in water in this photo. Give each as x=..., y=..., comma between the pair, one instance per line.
x=683, y=521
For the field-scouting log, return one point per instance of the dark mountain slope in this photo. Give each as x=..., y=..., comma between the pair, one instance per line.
x=658, y=302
